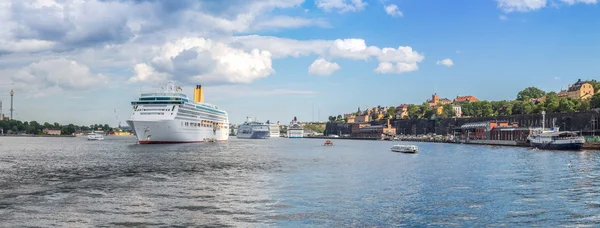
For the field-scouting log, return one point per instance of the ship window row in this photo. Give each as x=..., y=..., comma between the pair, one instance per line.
x=202, y=115
x=153, y=109
x=204, y=124
x=163, y=99
x=152, y=113
x=200, y=111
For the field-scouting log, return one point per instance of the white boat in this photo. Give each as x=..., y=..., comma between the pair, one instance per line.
x=554, y=139
x=171, y=117
x=253, y=130
x=95, y=136
x=295, y=129
x=405, y=148
x=273, y=130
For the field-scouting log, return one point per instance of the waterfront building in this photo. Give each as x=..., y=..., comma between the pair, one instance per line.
x=51, y=131
x=580, y=90
x=372, y=131
x=482, y=130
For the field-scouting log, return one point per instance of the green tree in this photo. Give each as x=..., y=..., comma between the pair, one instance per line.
x=551, y=103
x=339, y=118
x=391, y=113
x=413, y=111
x=528, y=107
x=584, y=106
x=595, y=101
x=566, y=105
x=448, y=111
x=530, y=92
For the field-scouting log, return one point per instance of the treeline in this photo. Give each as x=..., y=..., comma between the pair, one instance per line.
x=36, y=128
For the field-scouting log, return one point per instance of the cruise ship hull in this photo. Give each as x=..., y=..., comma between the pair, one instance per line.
x=558, y=146
x=170, y=131
x=254, y=135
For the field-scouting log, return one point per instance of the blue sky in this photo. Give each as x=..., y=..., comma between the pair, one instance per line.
x=75, y=62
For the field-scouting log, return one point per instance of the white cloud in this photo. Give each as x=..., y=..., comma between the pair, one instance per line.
x=445, y=62
x=195, y=59
x=145, y=73
x=53, y=76
x=572, y=2
x=341, y=5
x=393, y=10
x=533, y=5
x=404, y=58
x=521, y=5
x=323, y=67
x=503, y=17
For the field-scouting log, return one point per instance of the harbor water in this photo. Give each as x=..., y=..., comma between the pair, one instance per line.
x=72, y=182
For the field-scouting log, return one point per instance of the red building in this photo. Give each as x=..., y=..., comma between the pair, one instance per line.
x=492, y=130
x=461, y=99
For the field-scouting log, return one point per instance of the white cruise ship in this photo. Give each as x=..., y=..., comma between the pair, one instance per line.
x=295, y=129
x=253, y=130
x=273, y=129
x=170, y=117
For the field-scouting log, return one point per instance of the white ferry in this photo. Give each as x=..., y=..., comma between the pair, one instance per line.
x=94, y=135
x=295, y=129
x=170, y=117
x=253, y=130
x=405, y=148
x=554, y=139
x=273, y=129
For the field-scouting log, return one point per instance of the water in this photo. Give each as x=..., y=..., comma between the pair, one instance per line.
x=71, y=182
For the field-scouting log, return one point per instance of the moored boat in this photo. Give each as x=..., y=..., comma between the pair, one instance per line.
x=554, y=139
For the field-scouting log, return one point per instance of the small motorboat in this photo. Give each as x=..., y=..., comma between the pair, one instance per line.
x=95, y=136
x=405, y=148
x=328, y=143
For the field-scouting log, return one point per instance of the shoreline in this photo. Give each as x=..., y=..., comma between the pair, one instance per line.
x=586, y=146
x=35, y=136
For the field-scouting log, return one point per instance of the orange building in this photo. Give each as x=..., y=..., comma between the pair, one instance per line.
x=461, y=99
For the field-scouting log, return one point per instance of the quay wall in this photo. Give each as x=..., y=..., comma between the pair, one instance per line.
x=577, y=121
x=566, y=121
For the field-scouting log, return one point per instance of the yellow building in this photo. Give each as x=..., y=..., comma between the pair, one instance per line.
x=350, y=119
x=439, y=110
x=580, y=90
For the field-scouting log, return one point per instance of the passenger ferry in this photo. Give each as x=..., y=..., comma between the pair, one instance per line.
x=170, y=117
x=295, y=130
x=554, y=139
x=253, y=130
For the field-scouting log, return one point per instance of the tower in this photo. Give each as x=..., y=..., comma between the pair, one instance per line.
x=12, y=93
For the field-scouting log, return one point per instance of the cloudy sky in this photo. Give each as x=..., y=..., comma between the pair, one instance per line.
x=76, y=61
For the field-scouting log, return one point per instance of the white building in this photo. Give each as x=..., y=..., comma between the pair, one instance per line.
x=457, y=110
